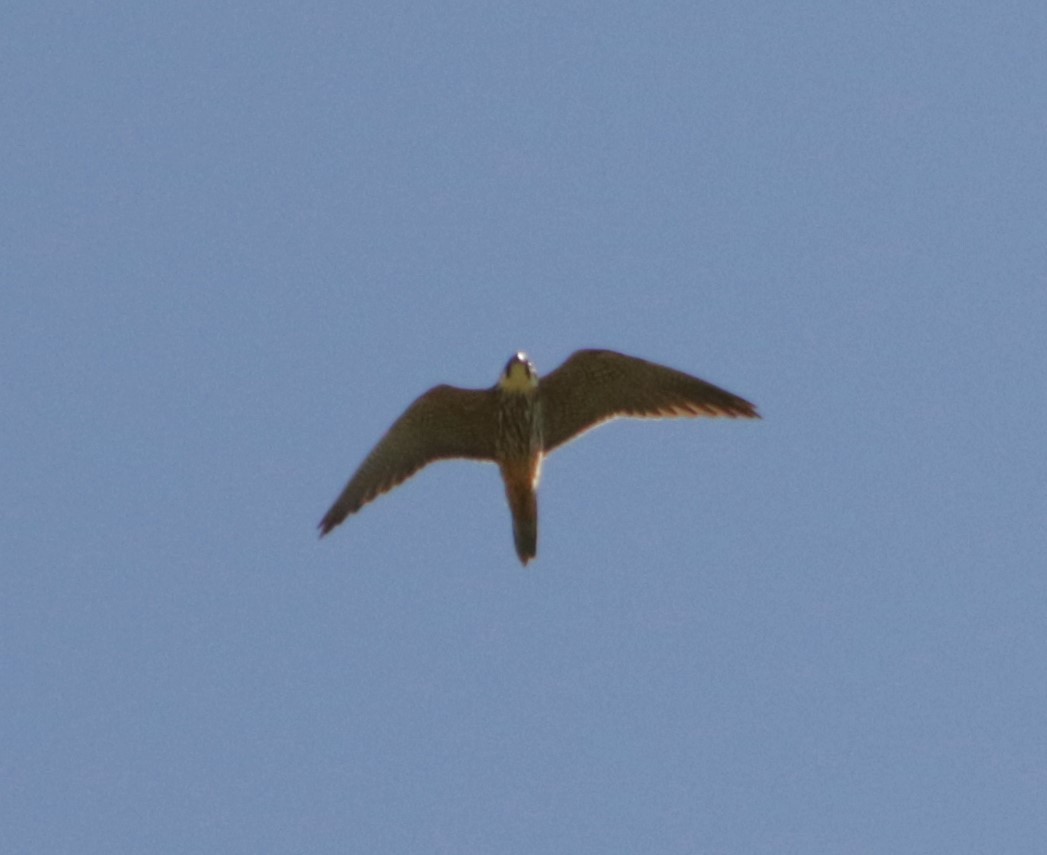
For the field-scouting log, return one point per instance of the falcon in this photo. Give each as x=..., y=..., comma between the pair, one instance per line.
x=521, y=419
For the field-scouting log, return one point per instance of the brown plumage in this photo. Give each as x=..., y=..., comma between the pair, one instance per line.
x=520, y=419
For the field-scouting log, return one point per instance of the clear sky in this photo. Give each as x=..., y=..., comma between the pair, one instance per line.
x=237, y=239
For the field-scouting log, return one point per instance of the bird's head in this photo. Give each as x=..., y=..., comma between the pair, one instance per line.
x=519, y=374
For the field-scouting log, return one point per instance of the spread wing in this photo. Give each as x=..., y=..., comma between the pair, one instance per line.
x=593, y=386
x=444, y=422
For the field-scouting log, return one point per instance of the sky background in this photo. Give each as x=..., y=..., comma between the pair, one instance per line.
x=237, y=239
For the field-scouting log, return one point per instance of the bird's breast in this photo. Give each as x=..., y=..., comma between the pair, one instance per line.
x=519, y=427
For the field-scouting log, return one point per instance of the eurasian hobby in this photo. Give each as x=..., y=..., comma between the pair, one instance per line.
x=520, y=420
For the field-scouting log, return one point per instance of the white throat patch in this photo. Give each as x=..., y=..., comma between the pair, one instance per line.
x=518, y=379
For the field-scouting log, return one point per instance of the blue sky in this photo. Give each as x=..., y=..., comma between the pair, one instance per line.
x=238, y=239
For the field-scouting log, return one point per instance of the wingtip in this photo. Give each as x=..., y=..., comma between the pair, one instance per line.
x=744, y=409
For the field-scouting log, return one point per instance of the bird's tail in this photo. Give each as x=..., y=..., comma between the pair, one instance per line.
x=523, y=502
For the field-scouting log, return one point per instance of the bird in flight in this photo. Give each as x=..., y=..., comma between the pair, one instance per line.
x=521, y=419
